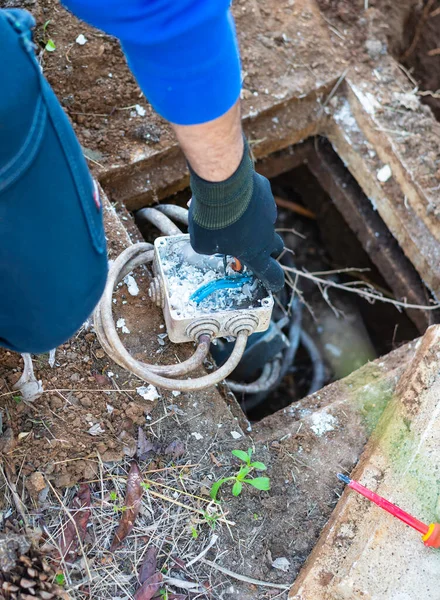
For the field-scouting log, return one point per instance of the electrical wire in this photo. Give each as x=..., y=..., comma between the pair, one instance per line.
x=159, y=220
x=172, y=211
x=155, y=374
x=267, y=379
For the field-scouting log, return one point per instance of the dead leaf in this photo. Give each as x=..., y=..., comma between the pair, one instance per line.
x=69, y=542
x=149, y=588
x=176, y=449
x=144, y=446
x=132, y=502
x=149, y=566
x=7, y=441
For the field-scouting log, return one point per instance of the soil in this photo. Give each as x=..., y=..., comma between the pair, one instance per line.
x=84, y=388
x=99, y=93
x=412, y=35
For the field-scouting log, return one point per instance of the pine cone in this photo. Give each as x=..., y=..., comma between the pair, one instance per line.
x=24, y=573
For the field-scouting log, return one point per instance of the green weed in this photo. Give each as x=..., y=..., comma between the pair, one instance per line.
x=242, y=476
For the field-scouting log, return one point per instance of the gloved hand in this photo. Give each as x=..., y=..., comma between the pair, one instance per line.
x=237, y=217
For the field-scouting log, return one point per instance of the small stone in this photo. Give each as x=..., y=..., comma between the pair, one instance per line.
x=56, y=402
x=236, y=435
x=35, y=484
x=374, y=48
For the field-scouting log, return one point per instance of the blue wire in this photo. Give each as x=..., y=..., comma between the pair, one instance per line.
x=226, y=283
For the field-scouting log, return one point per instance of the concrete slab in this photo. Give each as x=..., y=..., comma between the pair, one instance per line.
x=364, y=552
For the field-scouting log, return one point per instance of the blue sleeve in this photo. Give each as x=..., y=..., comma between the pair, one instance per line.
x=184, y=53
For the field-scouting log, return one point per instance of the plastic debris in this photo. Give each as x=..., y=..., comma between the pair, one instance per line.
x=282, y=564
x=52, y=357
x=120, y=324
x=132, y=286
x=81, y=39
x=140, y=110
x=384, y=174
x=28, y=385
x=236, y=435
x=96, y=429
x=148, y=392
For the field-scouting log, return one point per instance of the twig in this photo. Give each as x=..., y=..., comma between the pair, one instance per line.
x=418, y=32
x=19, y=504
x=225, y=571
x=212, y=542
x=435, y=13
x=190, y=508
x=333, y=91
x=361, y=292
x=295, y=207
x=333, y=28
x=435, y=94
x=184, y=585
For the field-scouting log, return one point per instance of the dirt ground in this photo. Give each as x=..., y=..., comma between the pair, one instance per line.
x=99, y=93
x=91, y=410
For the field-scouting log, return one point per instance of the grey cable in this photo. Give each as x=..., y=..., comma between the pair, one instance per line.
x=111, y=343
x=268, y=377
x=174, y=212
x=159, y=220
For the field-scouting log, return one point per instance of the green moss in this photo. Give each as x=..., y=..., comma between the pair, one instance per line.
x=371, y=392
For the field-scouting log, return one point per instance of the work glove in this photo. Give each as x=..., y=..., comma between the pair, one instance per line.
x=237, y=217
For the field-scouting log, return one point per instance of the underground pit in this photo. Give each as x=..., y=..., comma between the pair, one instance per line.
x=328, y=225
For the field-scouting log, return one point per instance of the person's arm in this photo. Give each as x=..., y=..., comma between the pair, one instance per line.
x=184, y=54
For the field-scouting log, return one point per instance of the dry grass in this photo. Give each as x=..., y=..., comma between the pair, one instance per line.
x=173, y=518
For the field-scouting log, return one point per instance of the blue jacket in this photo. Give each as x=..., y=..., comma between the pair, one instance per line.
x=183, y=53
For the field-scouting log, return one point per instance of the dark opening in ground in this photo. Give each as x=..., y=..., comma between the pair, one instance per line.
x=338, y=331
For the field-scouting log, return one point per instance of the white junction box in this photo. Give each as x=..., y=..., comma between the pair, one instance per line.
x=198, y=295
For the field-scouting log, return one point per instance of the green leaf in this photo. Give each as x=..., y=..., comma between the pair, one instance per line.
x=216, y=486
x=259, y=466
x=46, y=24
x=261, y=483
x=60, y=579
x=50, y=46
x=243, y=472
x=113, y=496
x=249, y=453
x=236, y=488
x=241, y=455
x=194, y=533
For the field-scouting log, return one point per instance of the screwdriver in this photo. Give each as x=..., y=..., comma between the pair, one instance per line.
x=430, y=533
